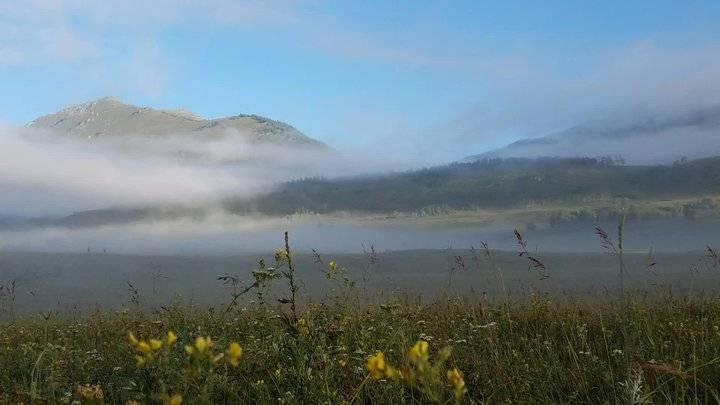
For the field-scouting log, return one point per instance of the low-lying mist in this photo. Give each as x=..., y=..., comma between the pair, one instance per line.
x=223, y=234
x=49, y=174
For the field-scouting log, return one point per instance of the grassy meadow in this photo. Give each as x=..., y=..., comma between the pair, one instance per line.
x=268, y=338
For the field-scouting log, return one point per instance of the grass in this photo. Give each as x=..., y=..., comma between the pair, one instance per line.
x=539, y=351
x=269, y=344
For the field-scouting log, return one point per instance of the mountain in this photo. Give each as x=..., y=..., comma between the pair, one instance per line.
x=641, y=139
x=491, y=184
x=109, y=118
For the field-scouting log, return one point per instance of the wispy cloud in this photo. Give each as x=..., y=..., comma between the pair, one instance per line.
x=72, y=30
x=623, y=84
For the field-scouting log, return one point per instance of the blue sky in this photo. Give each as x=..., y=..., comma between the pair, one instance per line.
x=442, y=78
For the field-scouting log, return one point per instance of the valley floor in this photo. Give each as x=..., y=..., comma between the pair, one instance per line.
x=413, y=326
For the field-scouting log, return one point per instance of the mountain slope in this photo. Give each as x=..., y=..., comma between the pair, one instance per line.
x=639, y=140
x=109, y=117
x=491, y=184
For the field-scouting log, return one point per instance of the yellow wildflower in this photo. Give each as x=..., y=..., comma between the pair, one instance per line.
x=144, y=347
x=90, y=392
x=189, y=350
x=378, y=367
x=174, y=400
x=140, y=361
x=203, y=344
x=332, y=266
x=420, y=353
x=234, y=353
x=455, y=378
x=155, y=344
x=171, y=338
x=132, y=339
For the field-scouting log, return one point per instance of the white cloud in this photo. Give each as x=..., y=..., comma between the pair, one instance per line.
x=40, y=177
x=44, y=173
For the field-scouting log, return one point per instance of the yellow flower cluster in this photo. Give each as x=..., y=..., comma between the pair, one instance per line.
x=173, y=400
x=90, y=392
x=148, y=349
x=455, y=379
x=419, y=354
x=202, y=348
x=420, y=372
x=379, y=369
x=234, y=353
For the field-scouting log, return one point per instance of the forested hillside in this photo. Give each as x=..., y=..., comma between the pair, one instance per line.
x=492, y=183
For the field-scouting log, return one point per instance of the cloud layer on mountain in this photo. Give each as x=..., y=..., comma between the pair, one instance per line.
x=43, y=174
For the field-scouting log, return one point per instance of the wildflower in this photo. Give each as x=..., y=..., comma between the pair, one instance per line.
x=234, y=353
x=302, y=327
x=90, y=392
x=420, y=353
x=281, y=255
x=379, y=368
x=144, y=347
x=148, y=349
x=155, y=344
x=173, y=400
x=202, y=345
x=455, y=379
x=332, y=266
x=171, y=338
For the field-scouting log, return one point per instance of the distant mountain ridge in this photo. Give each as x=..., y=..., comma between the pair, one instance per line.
x=110, y=117
x=640, y=140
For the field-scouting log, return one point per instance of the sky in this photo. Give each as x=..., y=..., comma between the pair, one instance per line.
x=441, y=79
